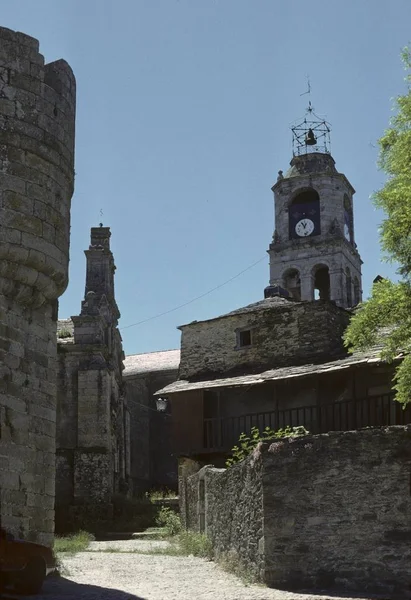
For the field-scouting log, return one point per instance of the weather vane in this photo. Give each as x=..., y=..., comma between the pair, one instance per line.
x=312, y=133
x=310, y=108
x=101, y=217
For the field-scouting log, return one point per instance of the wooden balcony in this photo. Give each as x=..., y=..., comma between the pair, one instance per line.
x=221, y=434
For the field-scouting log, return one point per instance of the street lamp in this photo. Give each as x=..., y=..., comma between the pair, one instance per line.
x=161, y=404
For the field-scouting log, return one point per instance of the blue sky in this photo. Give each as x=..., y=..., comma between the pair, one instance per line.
x=183, y=121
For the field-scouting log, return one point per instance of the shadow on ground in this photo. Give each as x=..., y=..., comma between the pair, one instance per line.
x=59, y=588
x=341, y=594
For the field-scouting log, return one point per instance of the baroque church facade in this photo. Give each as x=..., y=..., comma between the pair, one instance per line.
x=93, y=419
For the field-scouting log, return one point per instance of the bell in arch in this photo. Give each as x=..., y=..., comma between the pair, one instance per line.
x=310, y=139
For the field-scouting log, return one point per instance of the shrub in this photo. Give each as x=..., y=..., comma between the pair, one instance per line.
x=64, y=333
x=247, y=443
x=168, y=519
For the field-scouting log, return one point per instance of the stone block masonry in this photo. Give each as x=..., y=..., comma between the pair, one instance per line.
x=37, y=118
x=283, y=333
x=326, y=512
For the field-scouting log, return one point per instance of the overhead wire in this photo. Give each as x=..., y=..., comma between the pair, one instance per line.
x=217, y=287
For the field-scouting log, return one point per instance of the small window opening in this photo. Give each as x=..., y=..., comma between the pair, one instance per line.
x=322, y=284
x=244, y=338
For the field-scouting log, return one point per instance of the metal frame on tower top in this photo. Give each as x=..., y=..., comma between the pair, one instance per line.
x=312, y=134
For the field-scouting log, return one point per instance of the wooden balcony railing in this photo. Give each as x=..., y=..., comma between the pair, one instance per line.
x=221, y=434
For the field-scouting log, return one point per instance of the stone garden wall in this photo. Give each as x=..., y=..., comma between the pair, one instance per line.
x=227, y=505
x=326, y=512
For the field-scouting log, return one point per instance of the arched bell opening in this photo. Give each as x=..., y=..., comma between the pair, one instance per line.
x=357, y=291
x=321, y=283
x=348, y=286
x=292, y=283
x=304, y=214
x=306, y=196
x=348, y=220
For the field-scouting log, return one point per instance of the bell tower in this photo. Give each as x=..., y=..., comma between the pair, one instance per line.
x=313, y=254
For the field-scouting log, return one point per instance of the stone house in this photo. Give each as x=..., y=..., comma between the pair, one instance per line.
x=281, y=361
x=93, y=419
x=37, y=124
x=153, y=464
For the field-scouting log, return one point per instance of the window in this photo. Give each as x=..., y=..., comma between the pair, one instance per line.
x=244, y=338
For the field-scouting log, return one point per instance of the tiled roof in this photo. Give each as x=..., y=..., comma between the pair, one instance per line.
x=356, y=359
x=164, y=360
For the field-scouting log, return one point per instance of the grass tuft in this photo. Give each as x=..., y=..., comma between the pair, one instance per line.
x=192, y=543
x=76, y=542
x=232, y=563
x=156, y=495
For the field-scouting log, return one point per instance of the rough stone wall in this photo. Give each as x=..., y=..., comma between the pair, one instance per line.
x=327, y=512
x=337, y=511
x=227, y=505
x=37, y=114
x=192, y=499
x=188, y=492
x=233, y=510
x=330, y=248
x=283, y=333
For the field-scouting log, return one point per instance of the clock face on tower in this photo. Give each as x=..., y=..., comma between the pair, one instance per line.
x=304, y=219
x=304, y=227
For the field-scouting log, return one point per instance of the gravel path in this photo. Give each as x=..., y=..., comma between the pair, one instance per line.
x=129, y=545
x=132, y=576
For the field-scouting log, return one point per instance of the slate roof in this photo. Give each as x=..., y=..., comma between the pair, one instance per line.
x=353, y=360
x=266, y=304
x=164, y=360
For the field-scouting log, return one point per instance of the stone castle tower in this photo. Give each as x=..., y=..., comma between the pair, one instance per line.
x=313, y=254
x=93, y=422
x=37, y=119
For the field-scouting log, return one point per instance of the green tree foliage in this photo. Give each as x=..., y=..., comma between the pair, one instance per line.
x=385, y=318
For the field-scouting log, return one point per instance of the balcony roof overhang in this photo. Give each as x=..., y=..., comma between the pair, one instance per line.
x=357, y=359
